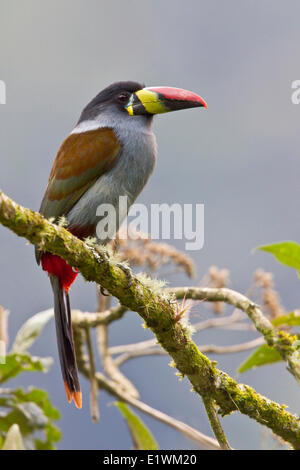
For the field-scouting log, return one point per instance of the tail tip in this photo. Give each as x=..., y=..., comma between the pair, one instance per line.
x=76, y=396
x=68, y=392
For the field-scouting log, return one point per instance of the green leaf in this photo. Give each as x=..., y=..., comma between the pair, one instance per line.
x=31, y=409
x=28, y=416
x=142, y=437
x=287, y=253
x=43, y=445
x=17, y=363
x=53, y=433
x=13, y=439
x=291, y=318
x=40, y=397
x=261, y=356
x=30, y=330
x=33, y=414
x=5, y=401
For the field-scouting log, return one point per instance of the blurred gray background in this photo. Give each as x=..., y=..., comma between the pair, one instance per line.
x=240, y=158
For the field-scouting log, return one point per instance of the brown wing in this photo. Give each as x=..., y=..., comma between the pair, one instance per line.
x=80, y=161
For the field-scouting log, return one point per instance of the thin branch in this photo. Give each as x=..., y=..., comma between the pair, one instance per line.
x=92, y=376
x=202, y=325
x=87, y=319
x=109, y=365
x=239, y=326
x=158, y=311
x=119, y=360
x=205, y=348
x=218, y=322
x=234, y=348
x=134, y=347
x=213, y=417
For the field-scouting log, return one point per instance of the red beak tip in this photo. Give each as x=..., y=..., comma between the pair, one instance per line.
x=179, y=94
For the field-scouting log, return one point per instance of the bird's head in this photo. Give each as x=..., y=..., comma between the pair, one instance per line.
x=134, y=99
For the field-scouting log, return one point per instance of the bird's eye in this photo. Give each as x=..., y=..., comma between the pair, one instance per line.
x=123, y=97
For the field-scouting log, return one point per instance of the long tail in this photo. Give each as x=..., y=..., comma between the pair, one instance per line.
x=65, y=341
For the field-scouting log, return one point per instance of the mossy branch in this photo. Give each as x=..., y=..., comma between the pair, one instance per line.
x=159, y=313
x=283, y=342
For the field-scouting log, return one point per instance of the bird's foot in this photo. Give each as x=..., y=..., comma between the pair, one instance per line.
x=103, y=291
x=128, y=273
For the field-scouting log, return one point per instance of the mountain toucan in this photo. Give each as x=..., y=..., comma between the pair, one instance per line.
x=111, y=152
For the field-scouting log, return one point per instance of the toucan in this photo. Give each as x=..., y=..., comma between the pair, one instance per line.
x=111, y=152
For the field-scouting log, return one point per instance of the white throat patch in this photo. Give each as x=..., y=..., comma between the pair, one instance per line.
x=85, y=126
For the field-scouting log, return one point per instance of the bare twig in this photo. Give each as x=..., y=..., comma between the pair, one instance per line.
x=134, y=347
x=234, y=348
x=150, y=347
x=87, y=319
x=110, y=367
x=92, y=376
x=219, y=322
x=205, y=348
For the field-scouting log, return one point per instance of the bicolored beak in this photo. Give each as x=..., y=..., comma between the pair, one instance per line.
x=157, y=100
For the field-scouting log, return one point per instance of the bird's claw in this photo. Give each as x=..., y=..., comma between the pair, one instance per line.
x=127, y=271
x=103, y=292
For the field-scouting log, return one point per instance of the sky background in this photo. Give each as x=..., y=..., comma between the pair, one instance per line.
x=240, y=158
